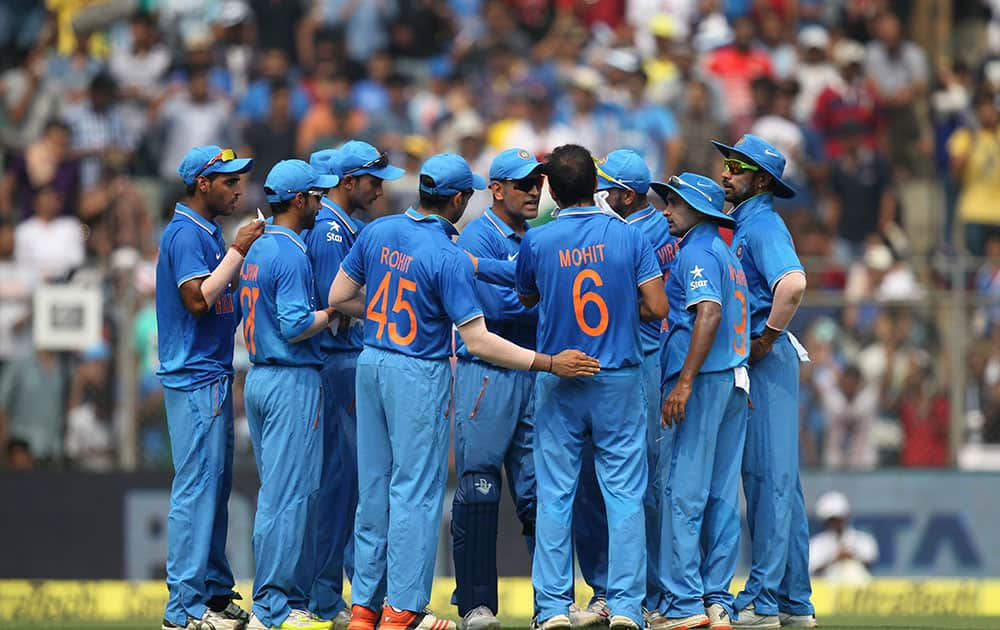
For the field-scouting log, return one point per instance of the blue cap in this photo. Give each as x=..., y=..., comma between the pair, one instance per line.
x=700, y=192
x=755, y=150
x=289, y=177
x=196, y=163
x=513, y=164
x=623, y=169
x=360, y=158
x=326, y=161
x=450, y=174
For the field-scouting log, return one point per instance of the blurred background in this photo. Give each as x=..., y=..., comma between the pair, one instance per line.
x=886, y=110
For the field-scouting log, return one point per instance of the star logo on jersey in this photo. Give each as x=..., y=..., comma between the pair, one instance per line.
x=512, y=257
x=696, y=272
x=483, y=486
x=334, y=226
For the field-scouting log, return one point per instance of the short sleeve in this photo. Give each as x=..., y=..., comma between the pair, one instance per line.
x=701, y=277
x=294, y=289
x=525, y=273
x=187, y=256
x=354, y=262
x=457, y=288
x=646, y=266
x=774, y=253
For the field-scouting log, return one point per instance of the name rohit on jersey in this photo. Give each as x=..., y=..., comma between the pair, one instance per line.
x=396, y=259
x=579, y=256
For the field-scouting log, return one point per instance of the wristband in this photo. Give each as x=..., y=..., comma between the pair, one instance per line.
x=550, y=363
x=239, y=250
x=769, y=326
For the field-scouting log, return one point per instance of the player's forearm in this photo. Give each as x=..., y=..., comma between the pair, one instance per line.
x=224, y=275
x=321, y=319
x=788, y=295
x=346, y=296
x=498, y=272
x=706, y=323
x=495, y=349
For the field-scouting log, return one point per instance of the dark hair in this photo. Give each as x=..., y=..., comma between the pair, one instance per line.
x=55, y=123
x=192, y=188
x=279, y=84
x=434, y=202
x=17, y=444
x=278, y=207
x=572, y=174
x=103, y=82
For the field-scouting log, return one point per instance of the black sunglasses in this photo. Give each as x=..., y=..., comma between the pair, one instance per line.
x=380, y=162
x=526, y=184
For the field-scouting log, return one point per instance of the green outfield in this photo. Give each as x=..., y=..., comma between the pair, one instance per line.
x=838, y=622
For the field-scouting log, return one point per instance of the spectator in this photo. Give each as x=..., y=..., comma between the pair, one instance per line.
x=17, y=284
x=736, y=66
x=274, y=66
x=28, y=99
x=649, y=128
x=19, y=455
x=331, y=119
x=141, y=68
x=272, y=139
x=88, y=444
x=814, y=73
x=48, y=243
x=850, y=405
x=45, y=163
x=774, y=41
x=924, y=416
x=364, y=25
x=975, y=163
x=840, y=552
x=696, y=122
x=32, y=404
x=595, y=125
x=851, y=102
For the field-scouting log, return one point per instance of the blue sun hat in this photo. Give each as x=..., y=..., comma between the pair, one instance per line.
x=755, y=150
x=700, y=192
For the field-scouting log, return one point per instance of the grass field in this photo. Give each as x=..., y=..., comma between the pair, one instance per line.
x=828, y=623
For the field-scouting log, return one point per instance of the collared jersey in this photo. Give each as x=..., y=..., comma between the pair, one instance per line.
x=586, y=266
x=193, y=351
x=418, y=284
x=765, y=249
x=327, y=244
x=657, y=229
x=490, y=239
x=705, y=269
x=278, y=298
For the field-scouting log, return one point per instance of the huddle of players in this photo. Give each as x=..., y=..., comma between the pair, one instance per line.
x=350, y=421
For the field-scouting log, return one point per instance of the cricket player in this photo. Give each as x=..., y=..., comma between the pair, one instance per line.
x=361, y=168
x=586, y=271
x=494, y=426
x=705, y=384
x=196, y=320
x=283, y=393
x=419, y=284
x=625, y=178
x=777, y=591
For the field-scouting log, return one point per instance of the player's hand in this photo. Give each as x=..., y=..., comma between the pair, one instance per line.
x=571, y=363
x=675, y=404
x=475, y=262
x=248, y=233
x=759, y=348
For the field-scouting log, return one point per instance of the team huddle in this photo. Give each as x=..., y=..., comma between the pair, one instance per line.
x=665, y=376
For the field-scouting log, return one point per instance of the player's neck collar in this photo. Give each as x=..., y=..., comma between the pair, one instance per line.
x=749, y=206
x=338, y=213
x=420, y=217
x=573, y=211
x=191, y=214
x=696, y=230
x=502, y=226
x=271, y=228
x=641, y=215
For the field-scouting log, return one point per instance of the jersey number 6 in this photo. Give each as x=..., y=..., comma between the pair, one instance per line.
x=380, y=301
x=580, y=301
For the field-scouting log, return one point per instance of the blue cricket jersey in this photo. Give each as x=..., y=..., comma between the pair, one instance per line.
x=490, y=239
x=327, y=245
x=278, y=299
x=418, y=283
x=587, y=267
x=765, y=249
x=705, y=269
x=193, y=351
x=657, y=229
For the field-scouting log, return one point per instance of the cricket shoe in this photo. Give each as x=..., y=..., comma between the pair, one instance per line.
x=555, y=622
x=342, y=619
x=363, y=618
x=788, y=620
x=748, y=618
x=650, y=617
x=718, y=617
x=680, y=623
x=192, y=624
x=296, y=620
x=232, y=617
x=480, y=618
x=394, y=619
x=621, y=622
x=597, y=614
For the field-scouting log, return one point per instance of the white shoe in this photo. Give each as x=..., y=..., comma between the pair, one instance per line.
x=342, y=619
x=192, y=624
x=555, y=622
x=748, y=618
x=651, y=617
x=718, y=618
x=480, y=618
x=597, y=614
x=789, y=620
x=621, y=622
x=232, y=617
x=681, y=623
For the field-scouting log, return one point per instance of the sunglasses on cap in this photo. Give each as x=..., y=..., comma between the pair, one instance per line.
x=613, y=180
x=736, y=167
x=312, y=192
x=678, y=182
x=380, y=162
x=525, y=184
x=225, y=155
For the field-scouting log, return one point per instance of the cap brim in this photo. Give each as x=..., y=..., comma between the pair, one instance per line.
x=781, y=189
x=326, y=181
x=521, y=171
x=606, y=184
x=697, y=202
x=239, y=165
x=387, y=172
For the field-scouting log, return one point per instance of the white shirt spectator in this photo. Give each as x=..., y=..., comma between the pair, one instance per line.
x=191, y=123
x=849, y=417
x=825, y=547
x=52, y=247
x=142, y=72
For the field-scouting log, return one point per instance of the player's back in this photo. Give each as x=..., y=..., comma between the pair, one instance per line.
x=587, y=266
x=418, y=283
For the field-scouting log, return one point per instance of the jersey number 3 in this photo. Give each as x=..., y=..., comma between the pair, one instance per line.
x=580, y=301
x=380, y=302
x=740, y=341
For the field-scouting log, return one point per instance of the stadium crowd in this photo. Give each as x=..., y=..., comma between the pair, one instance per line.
x=889, y=124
